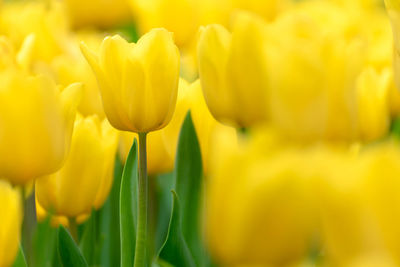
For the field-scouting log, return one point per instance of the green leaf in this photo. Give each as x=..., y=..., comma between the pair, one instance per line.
x=163, y=185
x=128, y=208
x=175, y=250
x=44, y=243
x=109, y=236
x=188, y=185
x=20, y=261
x=69, y=252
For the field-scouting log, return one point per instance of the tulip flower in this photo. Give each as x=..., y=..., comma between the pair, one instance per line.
x=10, y=223
x=359, y=207
x=134, y=77
x=233, y=71
x=37, y=122
x=260, y=208
x=89, y=167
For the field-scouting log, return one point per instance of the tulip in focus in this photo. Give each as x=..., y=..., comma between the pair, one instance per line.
x=10, y=223
x=233, y=72
x=86, y=177
x=138, y=82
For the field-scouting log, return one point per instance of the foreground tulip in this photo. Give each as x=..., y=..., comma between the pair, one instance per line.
x=85, y=179
x=360, y=207
x=138, y=82
x=260, y=207
x=36, y=122
x=10, y=223
x=233, y=71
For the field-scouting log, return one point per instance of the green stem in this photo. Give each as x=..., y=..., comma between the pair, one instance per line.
x=73, y=229
x=141, y=233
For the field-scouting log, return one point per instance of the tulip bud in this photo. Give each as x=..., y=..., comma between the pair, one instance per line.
x=36, y=122
x=86, y=177
x=10, y=223
x=138, y=82
x=233, y=71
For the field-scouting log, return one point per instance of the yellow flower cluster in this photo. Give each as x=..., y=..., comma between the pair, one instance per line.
x=293, y=104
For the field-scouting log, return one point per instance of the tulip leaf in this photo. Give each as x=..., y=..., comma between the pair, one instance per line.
x=164, y=183
x=188, y=185
x=69, y=252
x=175, y=251
x=128, y=208
x=109, y=223
x=20, y=260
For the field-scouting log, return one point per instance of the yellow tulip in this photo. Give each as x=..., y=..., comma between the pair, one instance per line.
x=360, y=207
x=233, y=71
x=259, y=205
x=97, y=13
x=138, y=82
x=86, y=177
x=10, y=223
x=37, y=122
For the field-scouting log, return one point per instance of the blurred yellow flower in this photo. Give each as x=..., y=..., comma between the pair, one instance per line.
x=138, y=82
x=10, y=223
x=47, y=22
x=233, y=71
x=86, y=177
x=184, y=17
x=260, y=209
x=72, y=67
x=37, y=122
x=105, y=13
x=339, y=87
